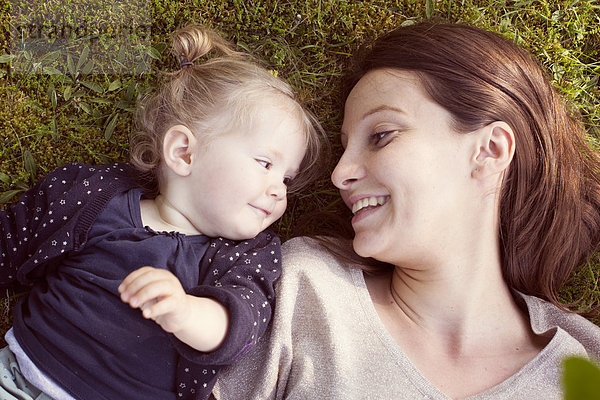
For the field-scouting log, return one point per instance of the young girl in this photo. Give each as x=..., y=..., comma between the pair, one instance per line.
x=217, y=147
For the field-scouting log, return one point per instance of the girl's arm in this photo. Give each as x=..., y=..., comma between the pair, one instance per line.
x=53, y=218
x=235, y=289
x=199, y=322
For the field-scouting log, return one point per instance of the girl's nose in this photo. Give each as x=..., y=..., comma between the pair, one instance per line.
x=277, y=189
x=347, y=171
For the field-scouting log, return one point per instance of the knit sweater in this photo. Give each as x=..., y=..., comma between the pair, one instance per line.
x=328, y=342
x=72, y=322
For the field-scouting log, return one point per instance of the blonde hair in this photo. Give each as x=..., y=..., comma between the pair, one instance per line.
x=200, y=92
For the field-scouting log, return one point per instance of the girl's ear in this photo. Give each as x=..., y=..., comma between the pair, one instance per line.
x=495, y=149
x=178, y=145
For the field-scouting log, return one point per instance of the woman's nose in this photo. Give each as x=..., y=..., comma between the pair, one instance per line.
x=347, y=171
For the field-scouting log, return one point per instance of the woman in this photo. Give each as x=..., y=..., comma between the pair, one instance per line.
x=476, y=194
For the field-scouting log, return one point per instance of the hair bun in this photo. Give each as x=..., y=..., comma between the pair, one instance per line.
x=194, y=41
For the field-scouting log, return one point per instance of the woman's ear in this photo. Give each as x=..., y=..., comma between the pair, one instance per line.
x=495, y=149
x=178, y=145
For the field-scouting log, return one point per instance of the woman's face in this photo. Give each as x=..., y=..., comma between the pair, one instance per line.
x=404, y=172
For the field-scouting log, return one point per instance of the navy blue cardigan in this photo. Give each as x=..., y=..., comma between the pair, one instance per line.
x=52, y=220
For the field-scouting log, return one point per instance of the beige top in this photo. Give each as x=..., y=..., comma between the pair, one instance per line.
x=327, y=342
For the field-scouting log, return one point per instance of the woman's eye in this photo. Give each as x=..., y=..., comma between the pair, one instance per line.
x=378, y=137
x=287, y=181
x=264, y=164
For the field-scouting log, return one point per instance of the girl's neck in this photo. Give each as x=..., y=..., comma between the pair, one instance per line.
x=160, y=215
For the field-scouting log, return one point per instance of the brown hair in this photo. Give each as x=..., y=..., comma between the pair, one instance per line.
x=550, y=198
x=199, y=92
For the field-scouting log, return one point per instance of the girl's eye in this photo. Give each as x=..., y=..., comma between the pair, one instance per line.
x=264, y=164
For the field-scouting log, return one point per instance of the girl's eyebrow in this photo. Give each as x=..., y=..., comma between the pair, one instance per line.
x=276, y=154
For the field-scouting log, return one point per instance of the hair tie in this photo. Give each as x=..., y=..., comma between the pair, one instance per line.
x=183, y=62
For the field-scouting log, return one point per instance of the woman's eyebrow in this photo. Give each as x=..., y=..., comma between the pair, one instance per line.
x=375, y=110
x=383, y=108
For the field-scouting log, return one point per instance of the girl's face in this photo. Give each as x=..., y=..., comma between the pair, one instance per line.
x=404, y=172
x=239, y=178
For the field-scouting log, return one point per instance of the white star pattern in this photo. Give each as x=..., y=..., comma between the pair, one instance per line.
x=227, y=257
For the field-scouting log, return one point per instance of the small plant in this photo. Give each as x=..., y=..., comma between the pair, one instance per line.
x=581, y=379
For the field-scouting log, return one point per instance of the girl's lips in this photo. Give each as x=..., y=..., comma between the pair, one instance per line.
x=267, y=213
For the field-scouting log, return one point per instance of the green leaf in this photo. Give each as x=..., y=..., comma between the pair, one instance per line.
x=122, y=55
x=93, y=86
x=4, y=178
x=110, y=127
x=52, y=96
x=85, y=107
x=429, y=8
x=53, y=128
x=130, y=94
x=51, y=71
x=152, y=52
x=88, y=68
x=101, y=101
x=5, y=197
x=82, y=57
x=6, y=58
x=29, y=163
x=67, y=93
x=50, y=57
x=70, y=65
x=581, y=379
x=122, y=104
x=114, y=85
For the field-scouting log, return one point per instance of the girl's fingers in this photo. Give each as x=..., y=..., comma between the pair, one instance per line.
x=158, y=307
x=168, y=312
x=151, y=290
x=145, y=284
x=133, y=281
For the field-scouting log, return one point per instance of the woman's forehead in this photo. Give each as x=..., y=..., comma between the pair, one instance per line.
x=384, y=90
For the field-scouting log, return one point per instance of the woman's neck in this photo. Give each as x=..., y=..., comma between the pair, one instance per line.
x=452, y=300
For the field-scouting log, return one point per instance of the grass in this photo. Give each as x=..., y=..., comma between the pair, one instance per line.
x=66, y=109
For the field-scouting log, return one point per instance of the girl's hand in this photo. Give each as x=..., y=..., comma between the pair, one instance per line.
x=200, y=322
x=160, y=296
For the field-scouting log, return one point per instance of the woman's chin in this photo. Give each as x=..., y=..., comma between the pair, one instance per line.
x=362, y=247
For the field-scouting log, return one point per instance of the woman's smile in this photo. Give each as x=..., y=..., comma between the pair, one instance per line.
x=368, y=202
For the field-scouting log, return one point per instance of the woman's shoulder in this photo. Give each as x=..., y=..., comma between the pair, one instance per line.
x=303, y=245
x=310, y=260
x=545, y=316
x=305, y=252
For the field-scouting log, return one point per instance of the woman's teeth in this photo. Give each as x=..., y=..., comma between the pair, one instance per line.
x=368, y=201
